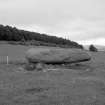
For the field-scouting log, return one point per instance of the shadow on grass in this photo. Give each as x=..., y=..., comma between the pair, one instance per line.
x=36, y=90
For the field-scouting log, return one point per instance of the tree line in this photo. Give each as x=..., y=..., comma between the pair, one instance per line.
x=8, y=33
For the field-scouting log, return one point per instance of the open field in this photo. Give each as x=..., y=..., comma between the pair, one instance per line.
x=15, y=52
x=82, y=84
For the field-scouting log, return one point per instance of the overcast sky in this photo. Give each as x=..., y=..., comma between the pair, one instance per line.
x=79, y=20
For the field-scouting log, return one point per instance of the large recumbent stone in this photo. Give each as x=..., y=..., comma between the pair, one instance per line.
x=56, y=56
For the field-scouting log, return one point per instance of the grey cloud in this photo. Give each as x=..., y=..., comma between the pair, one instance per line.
x=49, y=11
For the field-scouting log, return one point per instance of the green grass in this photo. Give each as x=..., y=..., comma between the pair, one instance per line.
x=82, y=84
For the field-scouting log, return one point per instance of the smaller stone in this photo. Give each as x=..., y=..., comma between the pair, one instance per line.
x=39, y=66
x=29, y=67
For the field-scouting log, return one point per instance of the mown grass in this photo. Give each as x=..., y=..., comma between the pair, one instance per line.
x=81, y=84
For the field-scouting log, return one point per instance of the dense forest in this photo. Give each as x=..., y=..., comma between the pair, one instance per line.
x=12, y=34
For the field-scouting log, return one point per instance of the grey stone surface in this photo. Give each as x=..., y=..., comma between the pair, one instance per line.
x=56, y=56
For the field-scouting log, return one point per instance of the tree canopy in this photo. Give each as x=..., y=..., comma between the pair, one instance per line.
x=8, y=33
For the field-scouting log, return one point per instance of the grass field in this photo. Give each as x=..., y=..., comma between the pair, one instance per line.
x=82, y=84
